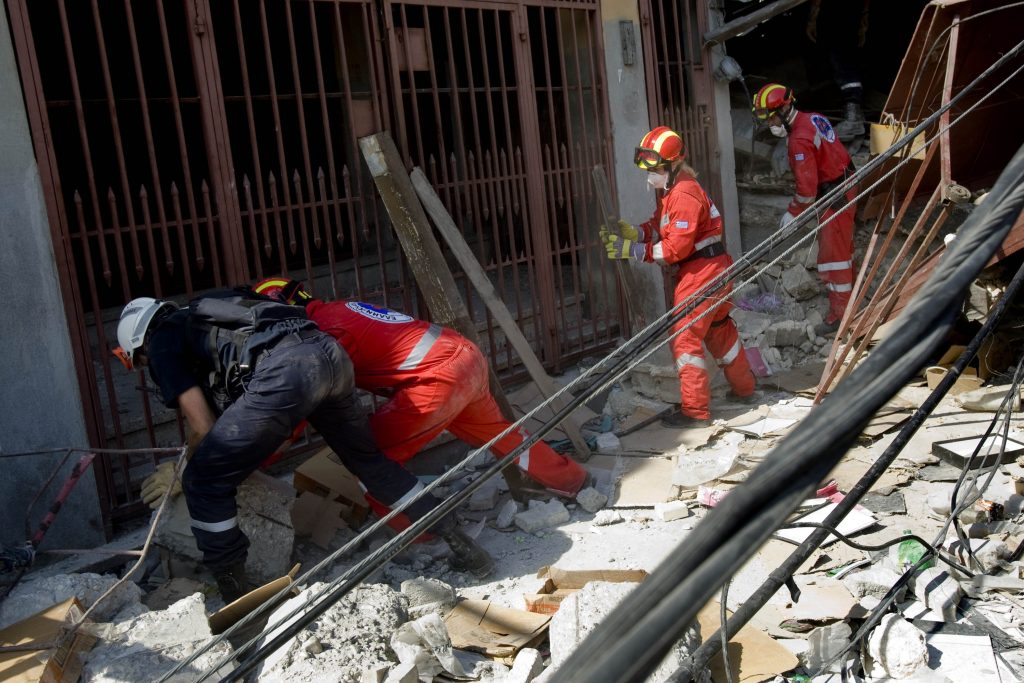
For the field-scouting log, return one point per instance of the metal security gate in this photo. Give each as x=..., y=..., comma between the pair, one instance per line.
x=191, y=144
x=679, y=83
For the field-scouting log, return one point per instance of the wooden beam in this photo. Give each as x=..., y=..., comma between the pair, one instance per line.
x=423, y=253
x=741, y=25
x=471, y=266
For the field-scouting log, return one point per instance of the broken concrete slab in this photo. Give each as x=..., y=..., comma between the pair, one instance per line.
x=426, y=595
x=938, y=590
x=151, y=644
x=824, y=644
x=30, y=595
x=875, y=581
x=896, y=648
x=355, y=633
x=786, y=333
x=542, y=516
x=581, y=612
x=591, y=500
x=799, y=283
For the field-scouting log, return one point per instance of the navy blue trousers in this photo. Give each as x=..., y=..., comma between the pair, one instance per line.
x=308, y=376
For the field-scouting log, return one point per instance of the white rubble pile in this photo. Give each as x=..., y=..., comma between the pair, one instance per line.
x=896, y=648
x=351, y=637
x=30, y=596
x=581, y=612
x=149, y=645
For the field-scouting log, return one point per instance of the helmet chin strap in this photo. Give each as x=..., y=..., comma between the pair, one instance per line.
x=788, y=117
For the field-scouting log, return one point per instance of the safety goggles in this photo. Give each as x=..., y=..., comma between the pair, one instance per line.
x=765, y=114
x=124, y=357
x=648, y=159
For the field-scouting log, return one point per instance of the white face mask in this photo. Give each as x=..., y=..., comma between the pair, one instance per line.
x=778, y=131
x=659, y=181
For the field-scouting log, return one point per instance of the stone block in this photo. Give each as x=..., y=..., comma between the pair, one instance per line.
x=403, y=673
x=484, y=498
x=607, y=442
x=896, y=648
x=823, y=644
x=506, y=516
x=875, y=581
x=375, y=675
x=938, y=590
x=527, y=666
x=786, y=333
x=799, y=283
x=543, y=516
x=591, y=500
x=672, y=510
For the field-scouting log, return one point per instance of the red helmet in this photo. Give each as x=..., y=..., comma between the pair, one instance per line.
x=283, y=289
x=770, y=99
x=659, y=148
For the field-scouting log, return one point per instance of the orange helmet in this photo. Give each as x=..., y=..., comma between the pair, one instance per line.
x=283, y=289
x=659, y=148
x=770, y=99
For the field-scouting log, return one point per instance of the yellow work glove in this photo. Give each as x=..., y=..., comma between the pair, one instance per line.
x=621, y=248
x=158, y=483
x=629, y=231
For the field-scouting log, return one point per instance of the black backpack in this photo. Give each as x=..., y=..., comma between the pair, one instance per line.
x=241, y=326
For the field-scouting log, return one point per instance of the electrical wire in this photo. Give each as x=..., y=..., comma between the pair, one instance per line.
x=643, y=340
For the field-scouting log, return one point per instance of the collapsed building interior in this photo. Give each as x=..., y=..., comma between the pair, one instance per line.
x=658, y=503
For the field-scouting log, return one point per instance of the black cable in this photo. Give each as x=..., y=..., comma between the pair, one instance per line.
x=723, y=617
x=782, y=573
x=633, y=638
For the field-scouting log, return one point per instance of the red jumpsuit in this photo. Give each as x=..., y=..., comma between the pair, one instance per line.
x=819, y=159
x=435, y=379
x=689, y=225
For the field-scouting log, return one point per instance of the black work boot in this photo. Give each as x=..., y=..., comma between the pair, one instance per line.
x=679, y=420
x=467, y=555
x=233, y=582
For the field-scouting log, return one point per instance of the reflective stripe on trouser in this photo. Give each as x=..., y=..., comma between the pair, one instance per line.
x=722, y=340
x=835, y=261
x=301, y=377
x=456, y=396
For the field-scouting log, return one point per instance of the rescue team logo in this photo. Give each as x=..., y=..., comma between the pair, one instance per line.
x=824, y=127
x=384, y=315
x=682, y=225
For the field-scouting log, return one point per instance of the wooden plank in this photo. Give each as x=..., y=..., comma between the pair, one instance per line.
x=464, y=255
x=624, y=270
x=423, y=253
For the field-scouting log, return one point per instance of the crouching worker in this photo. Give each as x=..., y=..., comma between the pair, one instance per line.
x=434, y=379
x=244, y=373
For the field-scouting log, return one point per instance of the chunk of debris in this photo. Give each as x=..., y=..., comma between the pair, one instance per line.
x=149, y=645
x=485, y=497
x=507, y=514
x=581, y=612
x=798, y=283
x=591, y=500
x=938, y=590
x=427, y=595
x=608, y=443
x=672, y=510
x=989, y=553
x=542, y=516
x=875, y=581
x=30, y=595
x=527, y=665
x=896, y=648
x=786, y=333
x=607, y=518
x=824, y=644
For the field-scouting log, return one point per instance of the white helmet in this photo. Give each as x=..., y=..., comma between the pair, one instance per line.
x=135, y=320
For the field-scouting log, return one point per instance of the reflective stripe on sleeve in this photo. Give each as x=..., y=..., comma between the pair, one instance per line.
x=214, y=527
x=731, y=354
x=834, y=265
x=707, y=242
x=687, y=359
x=658, y=253
x=838, y=288
x=803, y=199
x=422, y=348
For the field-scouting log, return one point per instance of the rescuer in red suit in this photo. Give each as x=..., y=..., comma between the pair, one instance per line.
x=434, y=379
x=819, y=162
x=685, y=233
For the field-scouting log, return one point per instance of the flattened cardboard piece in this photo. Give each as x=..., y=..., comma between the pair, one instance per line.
x=644, y=482
x=656, y=438
x=760, y=423
x=967, y=381
x=753, y=655
x=561, y=583
x=884, y=420
x=61, y=665
x=527, y=397
x=800, y=380
x=498, y=632
x=227, y=616
x=324, y=475
x=319, y=517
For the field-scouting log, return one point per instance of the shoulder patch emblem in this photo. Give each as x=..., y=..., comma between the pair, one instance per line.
x=798, y=157
x=384, y=315
x=682, y=225
x=824, y=127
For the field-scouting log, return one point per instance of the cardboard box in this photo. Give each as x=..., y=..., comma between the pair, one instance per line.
x=324, y=475
x=54, y=665
x=560, y=583
x=494, y=631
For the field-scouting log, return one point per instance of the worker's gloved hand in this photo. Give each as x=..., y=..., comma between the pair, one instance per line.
x=620, y=248
x=786, y=219
x=158, y=483
x=630, y=232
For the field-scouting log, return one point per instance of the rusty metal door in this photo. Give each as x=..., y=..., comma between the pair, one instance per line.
x=679, y=82
x=191, y=144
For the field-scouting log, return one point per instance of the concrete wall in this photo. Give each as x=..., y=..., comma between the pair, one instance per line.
x=728, y=203
x=627, y=100
x=40, y=406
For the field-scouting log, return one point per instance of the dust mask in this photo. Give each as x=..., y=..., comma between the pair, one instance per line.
x=778, y=131
x=659, y=181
